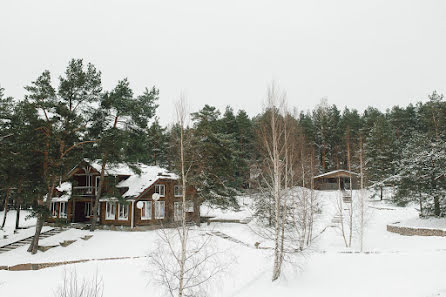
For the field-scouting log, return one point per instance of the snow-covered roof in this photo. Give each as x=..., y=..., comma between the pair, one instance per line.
x=137, y=183
x=63, y=198
x=334, y=172
x=112, y=169
x=65, y=189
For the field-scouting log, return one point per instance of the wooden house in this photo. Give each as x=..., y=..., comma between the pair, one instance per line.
x=336, y=180
x=145, y=195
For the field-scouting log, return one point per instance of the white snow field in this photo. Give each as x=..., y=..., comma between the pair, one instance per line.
x=394, y=265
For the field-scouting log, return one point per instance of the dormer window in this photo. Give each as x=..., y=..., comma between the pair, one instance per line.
x=161, y=190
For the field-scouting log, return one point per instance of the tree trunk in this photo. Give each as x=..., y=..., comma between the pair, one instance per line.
x=437, y=209
x=381, y=194
x=18, y=202
x=183, y=219
x=17, y=217
x=361, y=193
x=341, y=212
x=421, y=204
x=41, y=219
x=98, y=195
x=8, y=192
x=310, y=227
x=276, y=269
x=351, y=191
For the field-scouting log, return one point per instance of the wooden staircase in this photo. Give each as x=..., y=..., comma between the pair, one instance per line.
x=346, y=196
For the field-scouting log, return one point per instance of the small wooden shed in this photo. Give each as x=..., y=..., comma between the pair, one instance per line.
x=337, y=179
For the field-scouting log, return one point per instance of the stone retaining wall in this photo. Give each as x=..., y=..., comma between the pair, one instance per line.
x=410, y=231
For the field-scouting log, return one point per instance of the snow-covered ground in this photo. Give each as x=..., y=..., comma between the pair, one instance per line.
x=7, y=234
x=396, y=265
x=425, y=223
x=229, y=214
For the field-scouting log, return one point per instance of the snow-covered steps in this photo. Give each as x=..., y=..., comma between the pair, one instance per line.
x=26, y=241
x=227, y=237
x=336, y=219
x=235, y=221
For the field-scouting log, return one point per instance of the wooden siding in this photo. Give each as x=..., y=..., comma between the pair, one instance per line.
x=169, y=199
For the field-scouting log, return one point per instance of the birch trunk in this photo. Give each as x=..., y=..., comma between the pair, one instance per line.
x=310, y=227
x=350, y=224
x=341, y=213
x=183, y=216
x=275, y=159
x=361, y=193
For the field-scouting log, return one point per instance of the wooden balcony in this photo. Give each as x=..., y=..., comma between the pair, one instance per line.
x=84, y=191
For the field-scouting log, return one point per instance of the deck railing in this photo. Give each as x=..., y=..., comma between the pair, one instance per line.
x=84, y=191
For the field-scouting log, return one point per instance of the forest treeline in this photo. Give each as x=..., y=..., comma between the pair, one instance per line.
x=48, y=132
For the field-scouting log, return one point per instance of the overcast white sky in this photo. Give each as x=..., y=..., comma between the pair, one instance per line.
x=355, y=53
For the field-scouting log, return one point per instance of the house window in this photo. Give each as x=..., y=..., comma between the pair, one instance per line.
x=146, y=210
x=160, y=189
x=88, y=209
x=123, y=212
x=178, y=191
x=110, y=210
x=88, y=182
x=53, y=209
x=98, y=178
x=63, y=210
x=159, y=209
x=177, y=211
x=189, y=206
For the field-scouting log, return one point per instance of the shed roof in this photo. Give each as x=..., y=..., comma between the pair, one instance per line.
x=336, y=173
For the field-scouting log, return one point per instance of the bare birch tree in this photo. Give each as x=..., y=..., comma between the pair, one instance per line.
x=350, y=222
x=274, y=148
x=181, y=118
x=283, y=204
x=182, y=262
x=73, y=286
x=361, y=195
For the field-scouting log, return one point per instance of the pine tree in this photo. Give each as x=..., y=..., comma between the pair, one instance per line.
x=118, y=125
x=245, y=139
x=157, y=144
x=423, y=161
x=380, y=155
x=6, y=171
x=27, y=160
x=64, y=118
x=213, y=166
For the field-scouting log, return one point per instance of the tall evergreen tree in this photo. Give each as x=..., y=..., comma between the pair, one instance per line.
x=380, y=149
x=157, y=144
x=212, y=169
x=118, y=125
x=422, y=163
x=64, y=117
x=245, y=139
